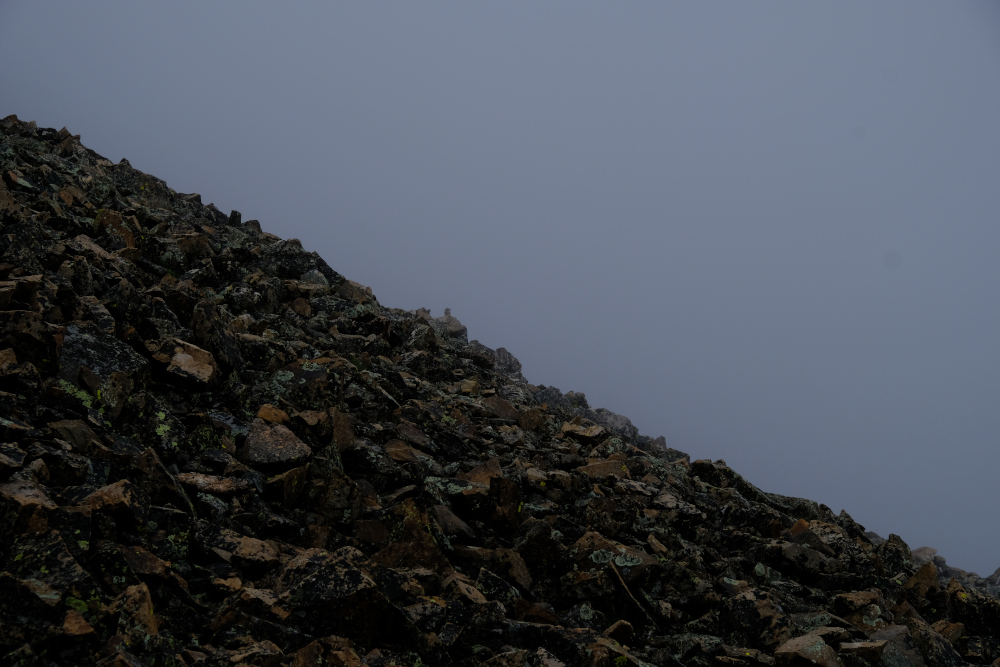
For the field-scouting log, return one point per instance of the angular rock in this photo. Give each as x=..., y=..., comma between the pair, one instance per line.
x=184, y=360
x=806, y=650
x=270, y=445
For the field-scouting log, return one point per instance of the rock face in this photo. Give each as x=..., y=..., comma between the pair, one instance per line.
x=216, y=450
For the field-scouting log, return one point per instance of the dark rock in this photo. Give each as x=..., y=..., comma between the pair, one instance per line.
x=215, y=449
x=269, y=445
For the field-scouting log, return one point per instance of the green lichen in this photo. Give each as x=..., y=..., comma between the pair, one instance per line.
x=77, y=393
x=77, y=604
x=601, y=556
x=627, y=560
x=283, y=376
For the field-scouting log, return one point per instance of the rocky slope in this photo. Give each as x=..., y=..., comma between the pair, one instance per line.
x=216, y=450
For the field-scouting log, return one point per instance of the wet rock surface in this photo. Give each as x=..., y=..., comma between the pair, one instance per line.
x=216, y=450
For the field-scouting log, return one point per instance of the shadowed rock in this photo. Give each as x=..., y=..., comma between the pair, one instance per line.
x=216, y=450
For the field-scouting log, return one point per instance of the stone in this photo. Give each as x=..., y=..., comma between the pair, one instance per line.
x=501, y=408
x=271, y=414
x=185, y=360
x=806, y=650
x=219, y=486
x=870, y=652
x=400, y=451
x=11, y=459
x=79, y=435
x=120, y=497
x=76, y=626
x=274, y=445
x=584, y=434
x=25, y=506
x=339, y=597
x=604, y=469
x=950, y=631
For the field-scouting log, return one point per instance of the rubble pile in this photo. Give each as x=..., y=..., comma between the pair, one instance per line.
x=217, y=450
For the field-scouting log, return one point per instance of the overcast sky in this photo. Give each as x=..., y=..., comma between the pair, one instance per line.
x=767, y=231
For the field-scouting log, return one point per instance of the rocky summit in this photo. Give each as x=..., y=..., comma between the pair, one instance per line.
x=217, y=450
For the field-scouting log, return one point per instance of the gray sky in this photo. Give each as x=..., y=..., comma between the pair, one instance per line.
x=767, y=231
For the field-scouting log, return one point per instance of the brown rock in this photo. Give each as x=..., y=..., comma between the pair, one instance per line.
x=136, y=608
x=867, y=619
x=343, y=429
x=273, y=445
x=806, y=650
x=265, y=653
x=621, y=631
x=335, y=651
x=245, y=552
x=950, y=631
x=585, y=434
x=78, y=434
x=8, y=359
x=603, y=469
x=75, y=625
x=870, y=651
x=185, y=360
x=923, y=580
x=112, y=222
x=311, y=417
x=482, y=474
x=400, y=451
x=301, y=306
x=846, y=603
x=531, y=420
x=25, y=507
x=271, y=414
x=121, y=498
x=355, y=292
x=457, y=586
x=218, y=486
x=500, y=407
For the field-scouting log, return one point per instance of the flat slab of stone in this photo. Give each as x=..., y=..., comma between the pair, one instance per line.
x=184, y=359
x=274, y=444
x=219, y=486
x=603, y=469
x=869, y=651
x=806, y=650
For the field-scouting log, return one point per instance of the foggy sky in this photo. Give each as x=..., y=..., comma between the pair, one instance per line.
x=766, y=231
